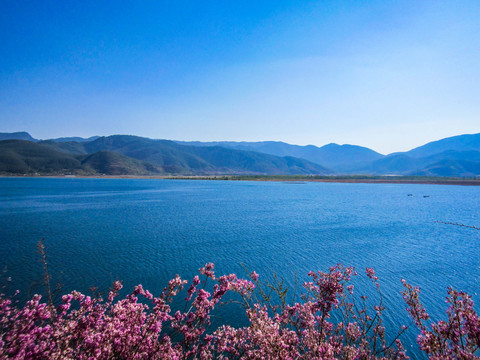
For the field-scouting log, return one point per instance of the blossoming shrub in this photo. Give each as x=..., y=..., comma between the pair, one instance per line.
x=142, y=326
x=456, y=338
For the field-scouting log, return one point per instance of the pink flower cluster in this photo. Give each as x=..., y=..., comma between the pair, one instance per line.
x=144, y=326
x=456, y=338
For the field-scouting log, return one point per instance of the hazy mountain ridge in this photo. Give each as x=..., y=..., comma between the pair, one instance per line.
x=339, y=158
x=448, y=163
x=74, y=138
x=459, y=143
x=26, y=157
x=21, y=135
x=112, y=163
x=177, y=158
x=453, y=156
x=132, y=155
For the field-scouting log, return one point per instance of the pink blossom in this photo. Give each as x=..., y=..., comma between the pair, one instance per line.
x=142, y=326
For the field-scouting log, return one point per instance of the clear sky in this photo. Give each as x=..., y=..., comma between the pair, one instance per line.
x=389, y=75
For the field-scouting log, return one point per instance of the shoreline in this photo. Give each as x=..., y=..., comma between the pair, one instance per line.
x=280, y=178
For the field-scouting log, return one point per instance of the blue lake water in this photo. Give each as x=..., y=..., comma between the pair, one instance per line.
x=146, y=231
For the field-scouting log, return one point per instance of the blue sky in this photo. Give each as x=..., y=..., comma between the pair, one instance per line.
x=389, y=75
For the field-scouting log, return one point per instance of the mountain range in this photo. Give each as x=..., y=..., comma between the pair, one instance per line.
x=453, y=156
x=133, y=155
x=20, y=153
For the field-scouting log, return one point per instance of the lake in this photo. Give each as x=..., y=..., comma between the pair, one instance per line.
x=146, y=231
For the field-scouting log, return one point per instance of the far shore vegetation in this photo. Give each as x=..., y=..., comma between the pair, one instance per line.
x=381, y=179
x=341, y=178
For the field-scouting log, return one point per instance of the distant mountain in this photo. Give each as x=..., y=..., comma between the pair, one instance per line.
x=339, y=158
x=454, y=156
x=22, y=135
x=452, y=168
x=163, y=153
x=123, y=154
x=457, y=143
x=343, y=158
x=447, y=163
x=25, y=157
x=111, y=163
x=74, y=138
x=457, y=156
x=399, y=164
x=70, y=147
x=177, y=158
